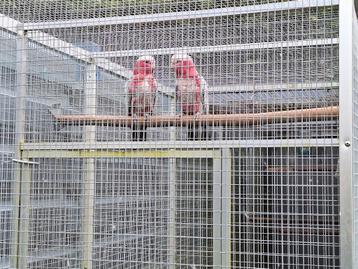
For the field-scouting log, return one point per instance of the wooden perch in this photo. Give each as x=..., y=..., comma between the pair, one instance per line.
x=210, y=119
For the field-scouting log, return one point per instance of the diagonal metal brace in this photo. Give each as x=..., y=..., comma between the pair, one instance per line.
x=25, y=162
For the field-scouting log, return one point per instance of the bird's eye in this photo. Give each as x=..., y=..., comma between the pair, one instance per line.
x=147, y=62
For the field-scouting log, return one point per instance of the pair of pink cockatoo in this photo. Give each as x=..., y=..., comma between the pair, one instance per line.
x=191, y=90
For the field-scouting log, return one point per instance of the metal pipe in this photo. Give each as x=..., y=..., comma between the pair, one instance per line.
x=217, y=48
x=301, y=168
x=219, y=119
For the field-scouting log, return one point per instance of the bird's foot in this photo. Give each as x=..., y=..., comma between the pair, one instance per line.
x=196, y=115
x=180, y=115
x=136, y=118
x=146, y=116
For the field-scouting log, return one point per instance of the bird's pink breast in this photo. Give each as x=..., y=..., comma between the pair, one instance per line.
x=188, y=92
x=142, y=96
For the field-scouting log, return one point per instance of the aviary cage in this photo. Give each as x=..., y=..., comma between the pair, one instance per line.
x=271, y=185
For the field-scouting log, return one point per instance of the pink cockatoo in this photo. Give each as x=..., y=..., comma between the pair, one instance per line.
x=142, y=91
x=191, y=89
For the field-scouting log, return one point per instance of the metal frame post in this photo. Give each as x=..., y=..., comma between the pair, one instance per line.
x=24, y=222
x=21, y=82
x=172, y=193
x=172, y=213
x=222, y=177
x=89, y=174
x=172, y=129
x=217, y=194
x=345, y=133
x=226, y=183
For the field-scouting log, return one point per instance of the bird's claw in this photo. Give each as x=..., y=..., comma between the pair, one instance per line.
x=136, y=119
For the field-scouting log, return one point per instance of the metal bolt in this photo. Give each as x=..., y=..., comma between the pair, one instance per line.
x=347, y=143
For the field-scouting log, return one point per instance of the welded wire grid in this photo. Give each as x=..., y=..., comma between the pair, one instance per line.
x=259, y=194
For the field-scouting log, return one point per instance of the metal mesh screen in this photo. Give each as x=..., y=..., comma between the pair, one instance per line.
x=131, y=213
x=169, y=134
x=286, y=212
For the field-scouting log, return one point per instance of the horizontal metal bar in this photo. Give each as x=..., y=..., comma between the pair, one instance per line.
x=184, y=15
x=140, y=147
x=119, y=154
x=229, y=88
x=239, y=88
x=63, y=203
x=287, y=215
x=6, y=207
x=53, y=253
x=122, y=200
x=208, y=119
x=300, y=168
x=123, y=238
x=55, y=203
x=218, y=48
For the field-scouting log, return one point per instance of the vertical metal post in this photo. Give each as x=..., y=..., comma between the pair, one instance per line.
x=345, y=133
x=249, y=208
x=172, y=129
x=24, y=214
x=226, y=177
x=172, y=213
x=172, y=194
x=89, y=168
x=21, y=86
x=217, y=168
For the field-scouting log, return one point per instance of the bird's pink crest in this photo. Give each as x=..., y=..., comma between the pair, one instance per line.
x=143, y=67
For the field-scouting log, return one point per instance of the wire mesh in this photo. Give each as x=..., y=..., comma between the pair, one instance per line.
x=286, y=212
x=262, y=193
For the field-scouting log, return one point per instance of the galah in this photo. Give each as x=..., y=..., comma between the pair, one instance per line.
x=191, y=89
x=142, y=90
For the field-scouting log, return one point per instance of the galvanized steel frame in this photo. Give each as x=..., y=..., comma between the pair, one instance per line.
x=221, y=194
x=347, y=240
